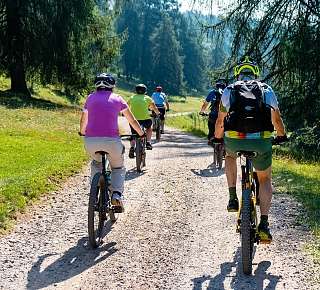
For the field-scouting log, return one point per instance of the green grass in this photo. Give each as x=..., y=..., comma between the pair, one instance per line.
x=39, y=148
x=192, y=123
x=302, y=181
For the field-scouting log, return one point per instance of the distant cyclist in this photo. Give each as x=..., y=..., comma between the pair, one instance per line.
x=213, y=99
x=140, y=104
x=248, y=114
x=99, y=125
x=161, y=101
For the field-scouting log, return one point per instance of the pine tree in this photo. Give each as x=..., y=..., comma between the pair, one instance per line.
x=167, y=63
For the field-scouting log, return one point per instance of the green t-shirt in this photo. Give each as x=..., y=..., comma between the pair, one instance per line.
x=139, y=105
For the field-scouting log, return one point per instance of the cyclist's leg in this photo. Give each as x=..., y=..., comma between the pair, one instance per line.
x=92, y=144
x=211, y=127
x=118, y=171
x=265, y=190
x=148, y=125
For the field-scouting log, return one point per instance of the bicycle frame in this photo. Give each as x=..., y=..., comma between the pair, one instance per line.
x=105, y=199
x=247, y=186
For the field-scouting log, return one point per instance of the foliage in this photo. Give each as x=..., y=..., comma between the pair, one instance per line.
x=142, y=21
x=167, y=63
x=39, y=149
x=55, y=41
x=305, y=143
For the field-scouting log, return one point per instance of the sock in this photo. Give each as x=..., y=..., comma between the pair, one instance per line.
x=232, y=193
x=264, y=219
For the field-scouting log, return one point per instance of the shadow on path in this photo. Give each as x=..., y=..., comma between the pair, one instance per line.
x=133, y=173
x=208, y=172
x=73, y=262
x=239, y=281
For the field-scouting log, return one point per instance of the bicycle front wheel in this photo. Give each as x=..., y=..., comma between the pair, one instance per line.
x=96, y=214
x=246, y=232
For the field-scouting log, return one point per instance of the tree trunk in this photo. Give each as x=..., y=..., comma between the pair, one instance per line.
x=15, y=42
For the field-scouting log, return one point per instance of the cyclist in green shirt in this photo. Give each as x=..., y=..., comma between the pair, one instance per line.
x=139, y=105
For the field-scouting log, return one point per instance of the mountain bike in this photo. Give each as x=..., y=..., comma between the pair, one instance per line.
x=247, y=221
x=156, y=125
x=100, y=207
x=218, y=150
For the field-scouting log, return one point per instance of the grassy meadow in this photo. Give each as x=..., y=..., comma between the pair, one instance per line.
x=39, y=148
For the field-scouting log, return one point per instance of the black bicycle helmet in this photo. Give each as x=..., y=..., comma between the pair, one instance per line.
x=141, y=89
x=221, y=84
x=104, y=80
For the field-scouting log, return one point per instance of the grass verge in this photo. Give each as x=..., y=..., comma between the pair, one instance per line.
x=39, y=149
x=302, y=180
x=192, y=123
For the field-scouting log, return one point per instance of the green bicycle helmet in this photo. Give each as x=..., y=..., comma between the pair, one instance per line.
x=246, y=66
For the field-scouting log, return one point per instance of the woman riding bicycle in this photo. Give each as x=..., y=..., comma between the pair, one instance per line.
x=140, y=105
x=99, y=125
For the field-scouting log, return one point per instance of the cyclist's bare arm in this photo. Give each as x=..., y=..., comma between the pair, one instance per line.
x=132, y=121
x=277, y=122
x=83, y=122
x=204, y=106
x=167, y=105
x=154, y=108
x=219, y=128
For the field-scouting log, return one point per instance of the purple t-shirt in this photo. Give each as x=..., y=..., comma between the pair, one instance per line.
x=103, y=108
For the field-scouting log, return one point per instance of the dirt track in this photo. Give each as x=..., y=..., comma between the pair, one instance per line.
x=175, y=234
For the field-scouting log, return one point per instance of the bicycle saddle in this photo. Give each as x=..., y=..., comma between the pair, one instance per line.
x=248, y=154
x=101, y=152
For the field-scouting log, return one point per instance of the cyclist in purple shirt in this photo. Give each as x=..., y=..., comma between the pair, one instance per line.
x=99, y=125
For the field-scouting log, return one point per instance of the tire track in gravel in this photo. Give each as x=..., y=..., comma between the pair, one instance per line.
x=175, y=234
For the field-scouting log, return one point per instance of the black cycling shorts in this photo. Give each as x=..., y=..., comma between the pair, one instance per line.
x=144, y=123
x=162, y=111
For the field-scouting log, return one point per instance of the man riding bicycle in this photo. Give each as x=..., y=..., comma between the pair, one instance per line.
x=213, y=99
x=140, y=105
x=99, y=125
x=248, y=114
x=161, y=101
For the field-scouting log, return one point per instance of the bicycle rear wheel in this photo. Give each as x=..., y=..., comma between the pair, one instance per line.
x=158, y=131
x=246, y=231
x=139, y=154
x=96, y=213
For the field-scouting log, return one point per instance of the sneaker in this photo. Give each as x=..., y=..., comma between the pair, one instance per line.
x=131, y=152
x=264, y=233
x=117, y=202
x=148, y=146
x=233, y=205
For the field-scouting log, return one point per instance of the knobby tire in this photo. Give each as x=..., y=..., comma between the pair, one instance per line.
x=246, y=233
x=95, y=202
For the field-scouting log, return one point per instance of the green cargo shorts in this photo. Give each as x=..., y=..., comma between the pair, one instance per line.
x=263, y=147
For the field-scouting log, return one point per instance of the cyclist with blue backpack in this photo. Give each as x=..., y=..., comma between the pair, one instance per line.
x=213, y=101
x=248, y=115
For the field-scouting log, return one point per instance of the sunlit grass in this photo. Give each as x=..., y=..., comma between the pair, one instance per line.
x=39, y=149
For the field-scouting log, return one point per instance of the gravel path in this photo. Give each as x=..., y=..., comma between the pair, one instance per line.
x=175, y=234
